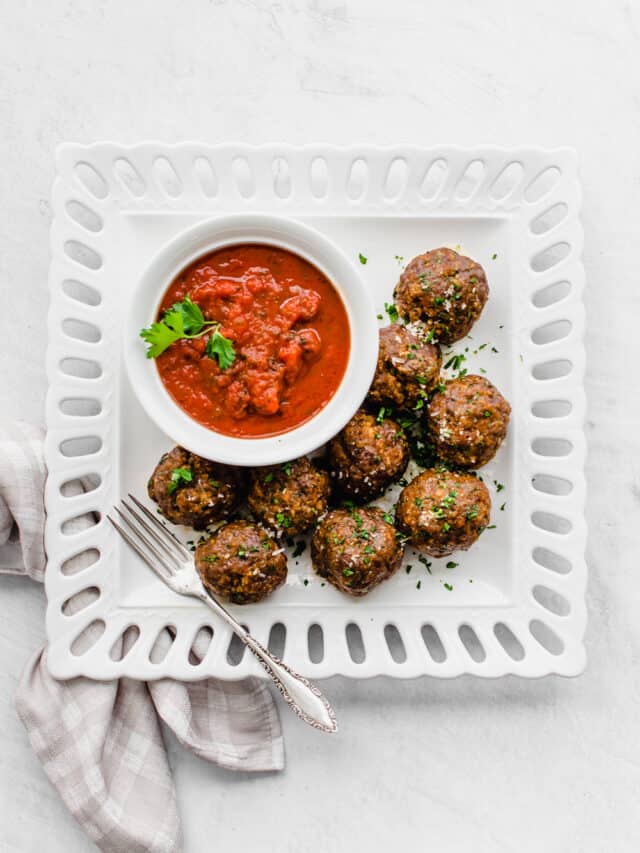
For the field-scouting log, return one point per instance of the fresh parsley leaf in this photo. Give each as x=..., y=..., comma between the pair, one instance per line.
x=192, y=317
x=221, y=348
x=158, y=336
x=362, y=258
x=174, y=319
x=179, y=477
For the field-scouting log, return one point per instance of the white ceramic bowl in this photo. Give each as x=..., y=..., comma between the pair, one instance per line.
x=274, y=231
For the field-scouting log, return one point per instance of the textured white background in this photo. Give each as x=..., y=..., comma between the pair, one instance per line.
x=550, y=765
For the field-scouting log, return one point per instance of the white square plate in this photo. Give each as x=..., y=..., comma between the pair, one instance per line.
x=515, y=601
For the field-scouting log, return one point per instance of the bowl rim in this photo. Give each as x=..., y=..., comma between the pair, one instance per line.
x=215, y=233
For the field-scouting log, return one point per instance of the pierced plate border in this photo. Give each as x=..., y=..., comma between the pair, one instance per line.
x=96, y=183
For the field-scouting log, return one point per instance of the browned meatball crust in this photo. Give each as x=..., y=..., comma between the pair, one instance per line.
x=289, y=498
x=467, y=421
x=193, y=491
x=367, y=456
x=241, y=562
x=356, y=549
x=408, y=367
x=445, y=290
x=442, y=512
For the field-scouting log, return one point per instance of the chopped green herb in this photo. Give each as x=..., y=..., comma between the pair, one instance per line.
x=448, y=586
x=426, y=563
x=503, y=506
x=388, y=517
x=408, y=568
x=306, y=581
x=499, y=486
x=283, y=520
x=392, y=311
x=362, y=258
x=179, y=477
x=452, y=565
x=268, y=477
x=494, y=256
x=418, y=584
x=455, y=362
x=472, y=512
x=347, y=572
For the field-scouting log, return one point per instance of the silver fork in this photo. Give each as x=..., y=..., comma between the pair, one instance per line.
x=173, y=563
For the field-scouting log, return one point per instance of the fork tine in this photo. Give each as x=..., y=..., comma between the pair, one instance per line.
x=139, y=551
x=171, y=568
x=167, y=545
x=160, y=526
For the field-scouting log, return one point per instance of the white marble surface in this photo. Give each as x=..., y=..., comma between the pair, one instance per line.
x=551, y=765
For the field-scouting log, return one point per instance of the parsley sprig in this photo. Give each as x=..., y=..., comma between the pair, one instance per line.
x=186, y=320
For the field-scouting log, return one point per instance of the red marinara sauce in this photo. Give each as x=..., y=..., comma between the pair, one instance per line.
x=290, y=332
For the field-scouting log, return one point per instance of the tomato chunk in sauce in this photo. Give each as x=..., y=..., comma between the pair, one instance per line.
x=290, y=332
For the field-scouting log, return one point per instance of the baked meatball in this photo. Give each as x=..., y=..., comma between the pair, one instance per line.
x=241, y=562
x=289, y=498
x=408, y=367
x=443, y=289
x=467, y=421
x=193, y=491
x=367, y=456
x=356, y=549
x=442, y=512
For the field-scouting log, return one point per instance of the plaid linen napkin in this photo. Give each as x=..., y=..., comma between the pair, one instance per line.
x=100, y=743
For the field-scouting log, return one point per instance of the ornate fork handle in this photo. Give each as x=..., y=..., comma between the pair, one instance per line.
x=302, y=697
x=163, y=552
